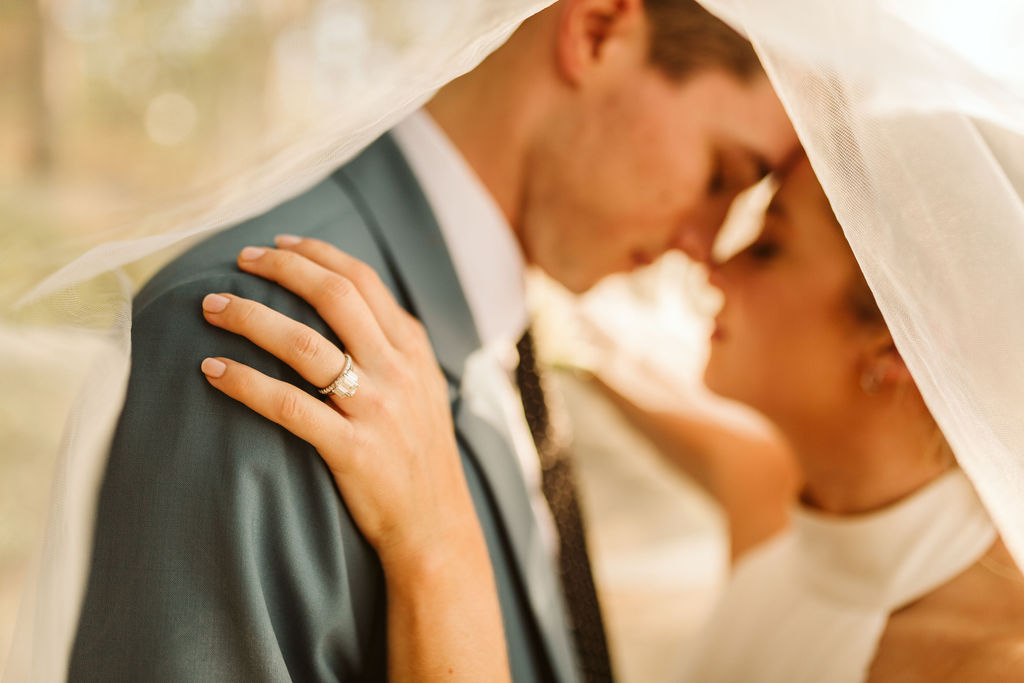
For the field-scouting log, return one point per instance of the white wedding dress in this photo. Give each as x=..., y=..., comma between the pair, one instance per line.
x=810, y=605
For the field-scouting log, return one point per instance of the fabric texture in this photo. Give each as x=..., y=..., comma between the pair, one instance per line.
x=811, y=604
x=395, y=54
x=490, y=267
x=912, y=115
x=223, y=550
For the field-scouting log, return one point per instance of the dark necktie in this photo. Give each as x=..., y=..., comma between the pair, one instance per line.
x=558, y=483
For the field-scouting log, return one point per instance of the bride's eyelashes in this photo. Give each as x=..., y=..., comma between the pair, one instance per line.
x=717, y=183
x=763, y=250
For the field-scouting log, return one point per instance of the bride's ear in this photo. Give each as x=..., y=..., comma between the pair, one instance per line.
x=882, y=366
x=599, y=36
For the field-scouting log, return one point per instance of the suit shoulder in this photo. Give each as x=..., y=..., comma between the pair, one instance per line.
x=326, y=211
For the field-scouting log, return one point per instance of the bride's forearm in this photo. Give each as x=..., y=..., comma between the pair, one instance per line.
x=444, y=620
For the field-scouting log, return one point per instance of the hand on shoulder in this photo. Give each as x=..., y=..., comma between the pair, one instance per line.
x=385, y=430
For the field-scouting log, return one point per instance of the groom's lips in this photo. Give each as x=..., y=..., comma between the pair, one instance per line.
x=641, y=259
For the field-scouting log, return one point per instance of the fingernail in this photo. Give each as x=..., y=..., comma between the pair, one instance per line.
x=215, y=303
x=287, y=240
x=252, y=253
x=212, y=367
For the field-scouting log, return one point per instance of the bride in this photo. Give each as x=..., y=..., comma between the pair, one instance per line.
x=934, y=123
x=891, y=569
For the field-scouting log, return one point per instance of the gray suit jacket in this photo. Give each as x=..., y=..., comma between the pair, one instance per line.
x=223, y=551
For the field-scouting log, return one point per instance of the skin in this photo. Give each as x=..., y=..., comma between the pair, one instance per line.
x=788, y=344
x=742, y=462
x=786, y=324
x=971, y=629
x=600, y=164
x=444, y=621
x=599, y=161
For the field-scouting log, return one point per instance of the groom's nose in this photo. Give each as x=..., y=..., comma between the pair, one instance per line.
x=696, y=234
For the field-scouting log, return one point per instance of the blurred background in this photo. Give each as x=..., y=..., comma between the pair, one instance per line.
x=111, y=111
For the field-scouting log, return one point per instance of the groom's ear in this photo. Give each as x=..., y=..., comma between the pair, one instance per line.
x=600, y=40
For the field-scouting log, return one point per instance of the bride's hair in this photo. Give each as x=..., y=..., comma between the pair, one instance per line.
x=685, y=38
x=862, y=301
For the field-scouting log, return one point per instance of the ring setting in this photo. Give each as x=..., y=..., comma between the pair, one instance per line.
x=345, y=384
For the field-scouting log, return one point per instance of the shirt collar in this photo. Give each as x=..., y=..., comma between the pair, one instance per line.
x=487, y=258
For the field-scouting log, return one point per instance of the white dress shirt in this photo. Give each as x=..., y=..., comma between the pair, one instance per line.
x=491, y=269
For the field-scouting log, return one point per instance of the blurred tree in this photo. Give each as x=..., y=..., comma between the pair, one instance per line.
x=24, y=115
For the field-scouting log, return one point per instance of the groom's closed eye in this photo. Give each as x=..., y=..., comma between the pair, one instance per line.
x=735, y=170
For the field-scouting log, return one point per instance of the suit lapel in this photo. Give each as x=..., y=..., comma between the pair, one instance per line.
x=420, y=263
x=495, y=457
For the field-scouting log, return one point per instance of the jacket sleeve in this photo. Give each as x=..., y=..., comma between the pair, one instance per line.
x=222, y=549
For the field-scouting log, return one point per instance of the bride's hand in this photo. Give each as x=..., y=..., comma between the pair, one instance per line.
x=390, y=446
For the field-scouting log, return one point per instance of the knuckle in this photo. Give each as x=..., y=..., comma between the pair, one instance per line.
x=362, y=273
x=289, y=408
x=284, y=263
x=417, y=331
x=337, y=287
x=393, y=365
x=373, y=401
x=243, y=313
x=305, y=346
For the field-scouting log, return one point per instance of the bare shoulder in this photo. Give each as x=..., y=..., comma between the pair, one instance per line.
x=999, y=660
x=970, y=629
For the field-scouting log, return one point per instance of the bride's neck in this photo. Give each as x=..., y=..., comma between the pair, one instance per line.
x=874, y=467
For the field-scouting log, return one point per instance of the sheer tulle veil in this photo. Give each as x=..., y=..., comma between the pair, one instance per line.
x=912, y=114
x=362, y=66
x=911, y=111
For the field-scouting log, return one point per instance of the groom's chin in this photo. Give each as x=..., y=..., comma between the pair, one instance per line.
x=716, y=381
x=576, y=281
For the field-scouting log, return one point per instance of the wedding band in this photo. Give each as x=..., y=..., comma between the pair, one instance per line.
x=345, y=384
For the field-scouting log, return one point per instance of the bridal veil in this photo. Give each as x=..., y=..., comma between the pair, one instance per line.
x=911, y=112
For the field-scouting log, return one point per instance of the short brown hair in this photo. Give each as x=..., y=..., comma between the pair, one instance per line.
x=686, y=38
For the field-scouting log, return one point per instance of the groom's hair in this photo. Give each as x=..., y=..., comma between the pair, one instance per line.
x=686, y=38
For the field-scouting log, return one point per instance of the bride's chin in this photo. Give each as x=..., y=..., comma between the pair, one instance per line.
x=722, y=380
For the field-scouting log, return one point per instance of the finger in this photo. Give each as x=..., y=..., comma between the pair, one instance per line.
x=304, y=349
x=393, y=319
x=333, y=296
x=304, y=416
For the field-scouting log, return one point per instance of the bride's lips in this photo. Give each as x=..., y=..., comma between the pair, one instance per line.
x=718, y=333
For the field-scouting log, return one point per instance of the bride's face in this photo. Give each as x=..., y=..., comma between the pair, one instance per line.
x=787, y=341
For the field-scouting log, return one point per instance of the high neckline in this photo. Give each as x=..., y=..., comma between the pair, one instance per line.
x=891, y=557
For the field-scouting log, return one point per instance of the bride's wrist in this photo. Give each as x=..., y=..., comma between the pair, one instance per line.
x=457, y=554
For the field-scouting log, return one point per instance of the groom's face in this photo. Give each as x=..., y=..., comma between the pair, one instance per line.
x=639, y=164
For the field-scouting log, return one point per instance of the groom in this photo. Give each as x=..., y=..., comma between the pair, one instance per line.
x=603, y=133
